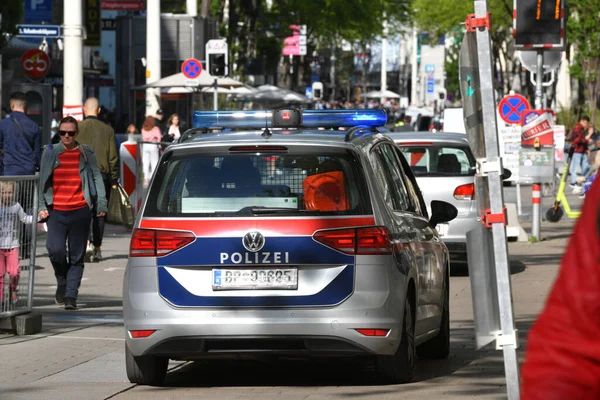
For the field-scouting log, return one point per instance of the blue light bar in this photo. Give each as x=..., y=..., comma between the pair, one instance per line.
x=343, y=118
x=310, y=119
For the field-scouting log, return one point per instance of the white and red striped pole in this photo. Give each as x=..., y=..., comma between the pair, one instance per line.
x=536, y=202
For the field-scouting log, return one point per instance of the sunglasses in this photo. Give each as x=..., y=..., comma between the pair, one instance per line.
x=70, y=133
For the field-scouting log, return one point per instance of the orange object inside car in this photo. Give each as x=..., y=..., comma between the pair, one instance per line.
x=325, y=192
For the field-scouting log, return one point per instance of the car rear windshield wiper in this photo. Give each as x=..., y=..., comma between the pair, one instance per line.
x=265, y=210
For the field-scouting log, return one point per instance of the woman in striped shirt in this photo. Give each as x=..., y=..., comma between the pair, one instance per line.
x=71, y=188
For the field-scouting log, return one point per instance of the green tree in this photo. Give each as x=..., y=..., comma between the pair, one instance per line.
x=584, y=34
x=443, y=17
x=328, y=23
x=12, y=12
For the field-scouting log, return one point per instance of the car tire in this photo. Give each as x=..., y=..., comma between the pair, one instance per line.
x=145, y=370
x=400, y=367
x=439, y=346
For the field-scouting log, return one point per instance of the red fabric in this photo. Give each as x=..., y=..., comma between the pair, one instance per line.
x=563, y=350
x=66, y=182
x=578, y=140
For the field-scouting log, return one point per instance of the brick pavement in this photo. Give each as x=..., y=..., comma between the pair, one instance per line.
x=80, y=355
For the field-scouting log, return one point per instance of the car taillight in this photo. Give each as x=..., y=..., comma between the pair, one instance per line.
x=157, y=243
x=360, y=241
x=373, y=332
x=465, y=192
x=142, y=333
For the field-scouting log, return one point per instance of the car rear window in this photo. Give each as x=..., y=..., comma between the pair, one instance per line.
x=439, y=160
x=228, y=185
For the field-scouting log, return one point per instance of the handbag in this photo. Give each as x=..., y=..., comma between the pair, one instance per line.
x=120, y=210
x=90, y=175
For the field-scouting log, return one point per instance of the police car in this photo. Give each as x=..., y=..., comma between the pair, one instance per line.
x=290, y=233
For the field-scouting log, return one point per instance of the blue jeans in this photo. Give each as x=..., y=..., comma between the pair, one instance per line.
x=73, y=226
x=579, y=159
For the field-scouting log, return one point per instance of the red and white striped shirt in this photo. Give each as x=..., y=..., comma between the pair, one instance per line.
x=66, y=182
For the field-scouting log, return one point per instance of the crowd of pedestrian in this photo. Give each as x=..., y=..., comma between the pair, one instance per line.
x=584, y=147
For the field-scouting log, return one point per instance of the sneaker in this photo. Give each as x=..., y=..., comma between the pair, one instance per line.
x=97, y=255
x=582, y=196
x=70, y=303
x=577, y=190
x=89, y=252
x=14, y=299
x=59, y=297
x=573, y=185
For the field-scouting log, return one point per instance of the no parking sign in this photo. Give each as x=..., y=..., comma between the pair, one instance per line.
x=511, y=107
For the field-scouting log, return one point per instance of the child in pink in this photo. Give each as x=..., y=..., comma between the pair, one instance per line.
x=11, y=215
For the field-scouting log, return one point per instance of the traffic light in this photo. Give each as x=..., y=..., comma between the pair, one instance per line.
x=217, y=65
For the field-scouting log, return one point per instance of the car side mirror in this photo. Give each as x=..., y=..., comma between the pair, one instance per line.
x=441, y=212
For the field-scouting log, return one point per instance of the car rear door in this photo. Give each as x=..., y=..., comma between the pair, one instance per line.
x=268, y=227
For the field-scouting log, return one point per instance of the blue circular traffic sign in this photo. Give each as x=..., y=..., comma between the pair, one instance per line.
x=511, y=107
x=191, y=68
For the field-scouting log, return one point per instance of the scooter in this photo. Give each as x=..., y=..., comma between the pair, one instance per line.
x=555, y=213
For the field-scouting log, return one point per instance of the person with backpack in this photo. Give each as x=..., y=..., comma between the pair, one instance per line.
x=20, y=142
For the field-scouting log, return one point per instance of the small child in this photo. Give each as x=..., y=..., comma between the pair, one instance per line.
x=11, y=213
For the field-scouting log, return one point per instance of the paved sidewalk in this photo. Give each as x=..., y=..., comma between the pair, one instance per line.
x=79, y=355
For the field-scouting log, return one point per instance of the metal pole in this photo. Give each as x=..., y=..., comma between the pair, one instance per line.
x=519, y=208
x=384, y=58
x=216, y=96
x=73, y=53
x=34, y=212
x=153, y=53
x=506, y=338
x=535, y=188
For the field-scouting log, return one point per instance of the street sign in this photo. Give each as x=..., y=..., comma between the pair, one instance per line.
x=38, y=31
x=191, y=68
x=511, y=107
x=192, y=82
x=537, y=128
x=539, y=24
x=216, y=45
x=35, y=64
x=551, y=60
x=38, y=11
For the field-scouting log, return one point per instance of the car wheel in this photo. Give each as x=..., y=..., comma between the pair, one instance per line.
x=145, y=370
x=400, y=367
x=439, y=346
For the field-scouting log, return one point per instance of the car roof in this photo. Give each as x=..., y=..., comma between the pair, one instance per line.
x=288, y=137
x=436, y=137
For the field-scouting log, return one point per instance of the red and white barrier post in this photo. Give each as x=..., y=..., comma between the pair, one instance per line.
x=128, y=155
x=536, y=202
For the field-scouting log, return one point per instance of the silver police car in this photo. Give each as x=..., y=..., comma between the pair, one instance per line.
x=262, y=233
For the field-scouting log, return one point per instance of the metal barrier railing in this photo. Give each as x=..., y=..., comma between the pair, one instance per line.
x=18, y=241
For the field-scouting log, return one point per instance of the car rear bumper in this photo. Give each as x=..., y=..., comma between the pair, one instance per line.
x=197, y=332
x=186, y=334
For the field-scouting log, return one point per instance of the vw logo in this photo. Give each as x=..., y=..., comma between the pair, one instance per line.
x=253, y=241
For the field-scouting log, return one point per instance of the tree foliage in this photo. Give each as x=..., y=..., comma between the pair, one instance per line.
x=328, y=23
x=11, y=11
x=443, y=17
x=584, y=33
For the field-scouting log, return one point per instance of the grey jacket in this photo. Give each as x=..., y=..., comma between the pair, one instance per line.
x=50, y=162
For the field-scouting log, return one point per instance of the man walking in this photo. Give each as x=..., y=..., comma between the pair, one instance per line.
x=579, y=143
x=100, y=137
x=20, y=148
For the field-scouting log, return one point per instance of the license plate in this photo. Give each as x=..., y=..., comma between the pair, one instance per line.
x=442, y=229
x=255, y=278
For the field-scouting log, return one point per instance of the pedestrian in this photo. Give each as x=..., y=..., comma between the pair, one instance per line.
x=71, y=190
x=20, y=152
x=11, y=217
x=100, y=137
x=20, y=147
x=173, y=127
x=131, y=129
x=150, y=152
x=562, y=360
x=579, y=144
x=158, y=121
